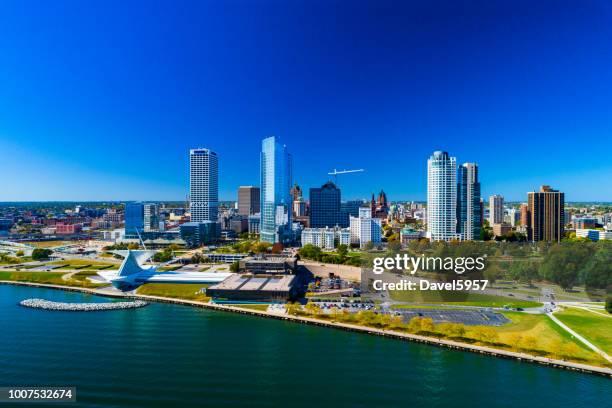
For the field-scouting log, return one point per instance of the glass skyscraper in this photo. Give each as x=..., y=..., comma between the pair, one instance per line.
x=276, y=200
x=325, y=210
x=468, y=202
x=134, y=219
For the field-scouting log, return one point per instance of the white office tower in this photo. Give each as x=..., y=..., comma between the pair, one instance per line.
x=442, y=197
x=364, y=228
x=151, y=217
x=203, y=185
x=496, y=209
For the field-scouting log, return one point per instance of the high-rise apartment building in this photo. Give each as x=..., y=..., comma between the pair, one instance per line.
x=496, y=209
x=524, y=215
x=364, y=228
x=546, y=211
x=442, y=197
x=468, y=202
x=151, y=217
x=248, y=200
x=203, y=185
x=325, y=206
x=276, y=199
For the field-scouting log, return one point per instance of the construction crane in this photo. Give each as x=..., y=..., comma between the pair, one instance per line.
x=336, y=172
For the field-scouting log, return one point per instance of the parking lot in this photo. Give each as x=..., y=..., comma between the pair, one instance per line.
x=468, y=317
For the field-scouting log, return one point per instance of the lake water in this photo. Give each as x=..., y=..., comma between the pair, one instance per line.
x=170, y=355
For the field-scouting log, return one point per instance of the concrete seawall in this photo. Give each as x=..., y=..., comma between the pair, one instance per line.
x=585, y=368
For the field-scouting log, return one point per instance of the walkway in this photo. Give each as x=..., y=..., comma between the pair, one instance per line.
x=579, y=337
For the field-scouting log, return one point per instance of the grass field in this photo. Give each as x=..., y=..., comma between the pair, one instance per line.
x=459, y=298
x=174, y=290
x=594, y=327
x=54, y=278
x=83, y=264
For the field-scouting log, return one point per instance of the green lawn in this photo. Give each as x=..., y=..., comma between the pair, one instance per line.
x=262, y=308
x=459, y=298
x=174, y=290
x=594, y=327
x=54, y=278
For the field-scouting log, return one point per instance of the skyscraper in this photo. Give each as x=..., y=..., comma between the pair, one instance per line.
x=442, y=197
x=496, y=209
x=203, y=185
x=325, y=206
x=248, y=200
x=151, y=217
x=134, y=219
x=276, y=199
x=468, y=202
x=545, y=215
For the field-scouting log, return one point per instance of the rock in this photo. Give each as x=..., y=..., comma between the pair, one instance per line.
x=80, y=307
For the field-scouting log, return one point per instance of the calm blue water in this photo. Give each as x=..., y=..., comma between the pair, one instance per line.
x=168, y=355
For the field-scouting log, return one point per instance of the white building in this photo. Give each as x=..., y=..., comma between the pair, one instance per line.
x=364, y=229
x=203, y=185
x=151, y=217
x=496, y=209
x=442, y=197
x=326, y=238
x=593, y=234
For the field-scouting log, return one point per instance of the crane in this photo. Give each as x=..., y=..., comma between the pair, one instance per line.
x=336, y=172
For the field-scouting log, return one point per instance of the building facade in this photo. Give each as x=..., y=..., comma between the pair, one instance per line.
x=468, y=202
x=546, y=211
x=496, y=209
x=325, y=206
x=442, y=197
x=365, y=228
x=248, y=200
x=151, y=217
x=203, y=185
x=134, y=219
x=326, y=238
x=276, y=199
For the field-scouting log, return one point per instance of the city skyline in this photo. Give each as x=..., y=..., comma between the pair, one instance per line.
x=73, y=127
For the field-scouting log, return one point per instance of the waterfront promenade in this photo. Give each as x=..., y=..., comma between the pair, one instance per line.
x=344, y=326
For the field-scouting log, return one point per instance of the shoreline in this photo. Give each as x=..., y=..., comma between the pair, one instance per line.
x=450, y=344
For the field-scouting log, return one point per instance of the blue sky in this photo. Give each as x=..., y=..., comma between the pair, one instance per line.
x=102, y=100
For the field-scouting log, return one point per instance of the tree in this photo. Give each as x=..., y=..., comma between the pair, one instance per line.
x=313, y=309
x=235, y=266
x=529, y=343
x=19, y=253
x=277, y=248
x=609, y=303
x=41, y=253
x=293, y=309
x=163, y=256
x=515, y=340
x=564, y=263
x=342, y=251
x=261, y=247
x=133, y=245
x=368, y=246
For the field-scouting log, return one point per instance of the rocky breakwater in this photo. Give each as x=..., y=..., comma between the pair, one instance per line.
x=80, y=307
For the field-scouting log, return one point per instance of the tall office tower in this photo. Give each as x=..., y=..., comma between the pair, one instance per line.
x=134, y=219
x=442, y=197
x=468, y=202
x=496, y=209
x=276, y=200
x=203, y=185
x=248, y=200
x=365, y=228
x=325, y=206
x=524, y=215
x=546, y=211
x=151, y=216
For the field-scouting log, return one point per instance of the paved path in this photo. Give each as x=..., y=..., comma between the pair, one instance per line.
x=579, y=337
